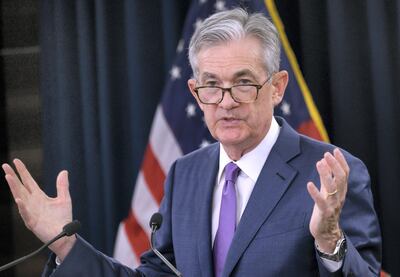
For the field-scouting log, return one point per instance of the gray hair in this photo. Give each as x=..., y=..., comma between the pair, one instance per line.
x=232, y=25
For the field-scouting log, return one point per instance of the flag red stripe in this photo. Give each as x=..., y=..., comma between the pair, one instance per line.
x=153, y=174
x=309, y=128
x=384, y=274
x=136, y=236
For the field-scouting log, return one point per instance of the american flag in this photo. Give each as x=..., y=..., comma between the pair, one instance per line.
x=178, y=126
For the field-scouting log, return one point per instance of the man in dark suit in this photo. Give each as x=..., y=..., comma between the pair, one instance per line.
x=263, y=201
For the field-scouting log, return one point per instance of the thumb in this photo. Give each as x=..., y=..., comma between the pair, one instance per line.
x=63, y=185
x=316, y=195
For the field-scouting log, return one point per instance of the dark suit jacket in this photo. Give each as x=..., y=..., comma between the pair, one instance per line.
x=272, y=237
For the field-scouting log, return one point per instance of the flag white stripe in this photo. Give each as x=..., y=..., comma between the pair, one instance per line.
x=123, y=249
x=163, y=142
x=143, y=204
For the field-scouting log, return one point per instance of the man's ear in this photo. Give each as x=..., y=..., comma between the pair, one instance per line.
x=279, y=84
x=192, y=86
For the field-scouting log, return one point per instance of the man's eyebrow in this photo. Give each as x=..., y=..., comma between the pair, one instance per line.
x=241, y=73
x=244, y=72
x=207, y=75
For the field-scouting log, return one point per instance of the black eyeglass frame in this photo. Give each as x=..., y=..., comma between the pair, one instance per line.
x=257, y=86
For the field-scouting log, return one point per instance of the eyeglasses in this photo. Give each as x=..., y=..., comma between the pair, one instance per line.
x=210, y=95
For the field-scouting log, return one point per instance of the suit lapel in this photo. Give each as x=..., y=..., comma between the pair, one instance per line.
x=204, y=205
x=271, y=185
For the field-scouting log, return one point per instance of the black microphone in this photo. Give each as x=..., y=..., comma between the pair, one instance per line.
x=68, y=230
x=155, y=224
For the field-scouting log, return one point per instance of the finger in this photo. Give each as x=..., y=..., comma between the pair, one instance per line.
x=325, y=176
x=13, y=180
x=8, y=170
x=26, y=177
x=337, y=170
x=342, y=160
x=17, y=190
x=63, y=185
x=316, y=195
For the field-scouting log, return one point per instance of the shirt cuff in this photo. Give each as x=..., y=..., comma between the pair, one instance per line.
x=330, y=265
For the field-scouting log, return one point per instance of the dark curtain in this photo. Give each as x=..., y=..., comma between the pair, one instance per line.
x=103, y=69
x=6, y=230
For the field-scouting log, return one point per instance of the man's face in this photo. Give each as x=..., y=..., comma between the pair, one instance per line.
x=238, y=126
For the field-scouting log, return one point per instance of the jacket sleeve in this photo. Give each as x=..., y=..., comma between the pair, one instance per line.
x=85, y=260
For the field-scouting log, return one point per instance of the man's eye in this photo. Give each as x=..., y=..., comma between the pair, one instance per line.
x=211, y=83
x=244, y=82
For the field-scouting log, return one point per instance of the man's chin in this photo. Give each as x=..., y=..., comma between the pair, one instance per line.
x=230, y=140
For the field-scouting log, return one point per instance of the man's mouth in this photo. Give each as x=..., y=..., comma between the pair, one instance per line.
x=230, y=120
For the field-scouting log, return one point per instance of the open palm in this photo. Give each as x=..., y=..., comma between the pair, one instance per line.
x=43, y=215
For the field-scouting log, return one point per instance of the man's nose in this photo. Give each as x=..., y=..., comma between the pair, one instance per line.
x=227, y=100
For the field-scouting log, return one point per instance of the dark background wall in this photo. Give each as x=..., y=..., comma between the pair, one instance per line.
x=20, y=122
x=102, y=70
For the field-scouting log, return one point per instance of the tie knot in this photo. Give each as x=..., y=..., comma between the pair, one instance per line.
x=231, y=172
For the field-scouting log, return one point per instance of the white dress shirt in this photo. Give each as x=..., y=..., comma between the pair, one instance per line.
x=250, y=165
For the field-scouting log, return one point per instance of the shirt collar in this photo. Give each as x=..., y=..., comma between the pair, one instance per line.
x=252, y=162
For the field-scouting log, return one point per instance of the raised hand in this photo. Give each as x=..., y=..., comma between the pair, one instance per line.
x=333, y=171
x=43, y=215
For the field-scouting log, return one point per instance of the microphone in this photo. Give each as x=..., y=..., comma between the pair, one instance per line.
x=155, y=221
x=155, y=224
x=68, y=230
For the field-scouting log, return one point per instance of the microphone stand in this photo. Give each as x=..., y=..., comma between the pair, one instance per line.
x=153, y=230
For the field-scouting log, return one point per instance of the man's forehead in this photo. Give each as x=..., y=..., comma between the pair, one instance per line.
x=244, y=57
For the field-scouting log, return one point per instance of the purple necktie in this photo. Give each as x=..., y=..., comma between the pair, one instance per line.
x=227, y=219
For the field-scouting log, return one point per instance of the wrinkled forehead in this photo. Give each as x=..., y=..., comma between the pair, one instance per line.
x=235, y=58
